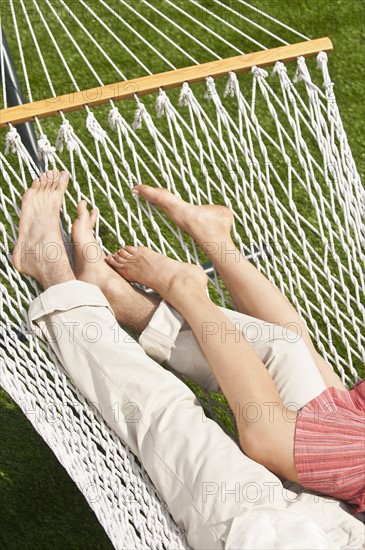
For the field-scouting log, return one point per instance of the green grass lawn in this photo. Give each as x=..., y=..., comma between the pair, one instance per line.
x=41, y=506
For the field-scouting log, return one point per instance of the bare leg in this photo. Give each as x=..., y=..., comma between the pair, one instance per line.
x=265, y=426
x=39, y=251
x=252, y=293
x=131, y=307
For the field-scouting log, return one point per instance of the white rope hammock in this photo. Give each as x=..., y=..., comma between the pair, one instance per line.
x=270, y=145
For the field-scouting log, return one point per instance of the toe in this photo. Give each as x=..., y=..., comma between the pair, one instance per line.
x=131, y=250
x=36, y=184
x=110, y=259
x=51, y=177
x=118, y=258
x=82, y=211
x=124, y=253
x=145, y=191
x=42, y=180
x=94, y=216
x=157, y=195
x=63, y=179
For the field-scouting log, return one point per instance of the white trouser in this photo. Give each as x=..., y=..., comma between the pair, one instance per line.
x=220, y=497
x=168, y=338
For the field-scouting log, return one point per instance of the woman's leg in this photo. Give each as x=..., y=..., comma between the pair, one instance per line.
x=252, y=293
x=265, y=425
x=167, y=338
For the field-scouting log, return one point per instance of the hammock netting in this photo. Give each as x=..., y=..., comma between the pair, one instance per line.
x=270, y=144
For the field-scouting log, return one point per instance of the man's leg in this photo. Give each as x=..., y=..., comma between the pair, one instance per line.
x=39, y=252
x=153, y=412
x=131, y=307
x=251, y=292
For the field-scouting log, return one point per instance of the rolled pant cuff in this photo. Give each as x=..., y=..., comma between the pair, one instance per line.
x=65, y=296
x=158, y=338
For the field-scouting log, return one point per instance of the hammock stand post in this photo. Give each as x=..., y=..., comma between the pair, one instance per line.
x=15, y=97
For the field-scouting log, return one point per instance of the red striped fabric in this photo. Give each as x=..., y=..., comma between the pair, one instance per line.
x=329, y=445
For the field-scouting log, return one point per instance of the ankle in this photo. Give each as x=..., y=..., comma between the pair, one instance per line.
x=51, y=277
x=217, y=247
x=183, y=290
x=131, y=306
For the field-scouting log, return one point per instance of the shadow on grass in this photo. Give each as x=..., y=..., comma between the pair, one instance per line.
x=41, y=507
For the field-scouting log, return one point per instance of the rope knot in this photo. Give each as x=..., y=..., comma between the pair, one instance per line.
x=184, y=95
x=211, y=90
x=45, y=149
x=114, y=117
x=328, y=86
x=322, y=59
x=279, y=68
x=12, y=141
x=139, y=113
x=259, y=73
x=231, y=88
x=302, y=73
x=66, y=136
x=161, y=102
x=301, y=70
x=94, y=128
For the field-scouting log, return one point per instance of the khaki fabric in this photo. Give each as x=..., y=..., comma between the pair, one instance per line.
x=168, y=338
x=220, y=497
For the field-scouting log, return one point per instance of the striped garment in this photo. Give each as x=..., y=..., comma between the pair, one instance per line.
x=329, y=445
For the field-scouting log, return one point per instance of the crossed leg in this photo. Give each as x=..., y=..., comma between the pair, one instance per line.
x=252, y=294
x=210, y=226
x=241, y=374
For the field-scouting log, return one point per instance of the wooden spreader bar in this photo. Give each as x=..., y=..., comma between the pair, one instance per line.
x=170, y=79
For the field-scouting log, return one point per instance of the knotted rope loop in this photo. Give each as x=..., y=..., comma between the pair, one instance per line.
x=259, y=73
x=231, y=88
x=66, y=136
x=161, y=103
x=12, y=141
x=94, y=128
x=184, y=96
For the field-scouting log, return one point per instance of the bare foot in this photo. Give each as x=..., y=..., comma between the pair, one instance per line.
x=171, y=279
x=130, y=306
x=39, y=250
x=88, y=257
x=89, y=264
x=208, y=223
